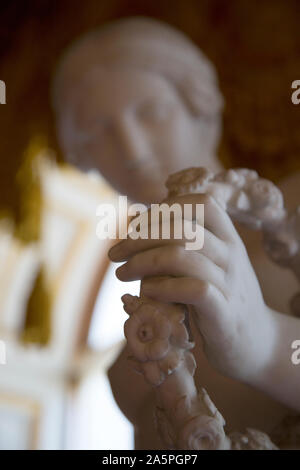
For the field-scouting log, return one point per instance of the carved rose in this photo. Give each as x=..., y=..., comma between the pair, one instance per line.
x=252, y=439
x=205, y=428
x=158, y=338
x=148, y=332
x=263, y=193
x=151, y=334
x=203, y=433
x=238, y=178
x=155, y=372
x=191, y=180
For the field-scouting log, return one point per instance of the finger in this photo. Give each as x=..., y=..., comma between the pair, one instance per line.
x=214, y=248
x=209, y=304
x=173, y=261
x=196, y=292
x=216, y=219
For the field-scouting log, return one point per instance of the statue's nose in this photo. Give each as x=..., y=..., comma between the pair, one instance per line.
x=132, y=143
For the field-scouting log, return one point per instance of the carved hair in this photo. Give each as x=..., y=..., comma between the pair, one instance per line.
x=147, y=44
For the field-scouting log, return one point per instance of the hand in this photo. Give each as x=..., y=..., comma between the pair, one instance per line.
x=219, y=284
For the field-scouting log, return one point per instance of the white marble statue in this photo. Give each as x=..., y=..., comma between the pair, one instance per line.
x=138, y=101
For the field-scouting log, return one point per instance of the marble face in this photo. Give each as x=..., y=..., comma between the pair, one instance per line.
x=135, y=128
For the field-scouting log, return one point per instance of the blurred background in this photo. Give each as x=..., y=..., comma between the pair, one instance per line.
x=60, y=315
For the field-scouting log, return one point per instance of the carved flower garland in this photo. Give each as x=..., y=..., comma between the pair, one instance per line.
x=157, y=339
x=241, y=192
x=201, y=424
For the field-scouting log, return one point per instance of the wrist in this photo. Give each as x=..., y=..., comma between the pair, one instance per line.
x=265, y=358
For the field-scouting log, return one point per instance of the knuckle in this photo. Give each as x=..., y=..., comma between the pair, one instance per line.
x=168, y=257
x=177, y=253
x=206, y=289
x=208, y=200
x=167, y=284
x=157, y=257
x=133, y=263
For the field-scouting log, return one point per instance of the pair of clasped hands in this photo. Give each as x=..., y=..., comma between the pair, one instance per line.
x=217, y=282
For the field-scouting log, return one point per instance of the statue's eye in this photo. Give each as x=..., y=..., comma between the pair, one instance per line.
x=154, y=111
x=93, y=130
x=100, y=125
x=96, y=128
